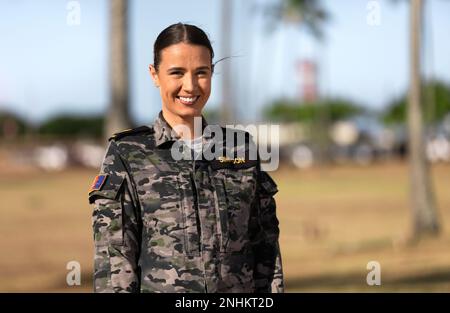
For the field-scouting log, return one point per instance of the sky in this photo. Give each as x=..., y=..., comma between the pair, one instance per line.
x=48, y=66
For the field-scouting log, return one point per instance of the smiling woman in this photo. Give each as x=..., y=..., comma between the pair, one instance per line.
x=182, y=70
x=192, y=225
x=184, y=81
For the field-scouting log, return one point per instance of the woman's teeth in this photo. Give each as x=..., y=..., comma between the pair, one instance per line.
x=186, y=100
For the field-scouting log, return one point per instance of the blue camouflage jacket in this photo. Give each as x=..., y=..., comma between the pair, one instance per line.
x=167, y=225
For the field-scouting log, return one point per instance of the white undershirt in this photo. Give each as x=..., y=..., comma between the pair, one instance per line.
x=195, y=145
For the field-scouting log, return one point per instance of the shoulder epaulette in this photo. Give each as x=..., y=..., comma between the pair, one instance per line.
x=131, y=131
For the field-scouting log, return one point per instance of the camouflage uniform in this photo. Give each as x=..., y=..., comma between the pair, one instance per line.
x=162, y=225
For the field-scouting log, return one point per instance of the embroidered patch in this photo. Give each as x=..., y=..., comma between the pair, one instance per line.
x=234, y=161
x=98, y=182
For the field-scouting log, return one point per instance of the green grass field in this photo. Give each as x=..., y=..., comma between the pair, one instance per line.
x=333, y=221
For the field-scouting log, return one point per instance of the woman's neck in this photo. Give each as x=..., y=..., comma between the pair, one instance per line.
x=184, y=127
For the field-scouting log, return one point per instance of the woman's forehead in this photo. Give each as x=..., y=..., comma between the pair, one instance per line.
x=184, y=53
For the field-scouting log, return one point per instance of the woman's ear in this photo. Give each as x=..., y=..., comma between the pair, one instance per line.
x=154, y=75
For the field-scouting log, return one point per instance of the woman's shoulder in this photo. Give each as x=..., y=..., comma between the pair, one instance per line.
x=131, y=132
x=127, y=141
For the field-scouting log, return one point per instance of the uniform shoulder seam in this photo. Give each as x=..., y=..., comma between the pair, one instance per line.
x=132, y=131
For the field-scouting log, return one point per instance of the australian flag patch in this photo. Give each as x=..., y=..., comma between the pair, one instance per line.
x=98, y=182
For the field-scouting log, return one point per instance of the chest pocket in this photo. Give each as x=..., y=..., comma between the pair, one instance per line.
x=167, y=215
x=235, y=188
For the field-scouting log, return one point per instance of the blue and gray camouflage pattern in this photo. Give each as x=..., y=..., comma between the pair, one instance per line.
x=162, y=225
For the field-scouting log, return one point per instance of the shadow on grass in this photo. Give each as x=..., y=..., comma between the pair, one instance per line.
x=61, y=285
x=356, y=281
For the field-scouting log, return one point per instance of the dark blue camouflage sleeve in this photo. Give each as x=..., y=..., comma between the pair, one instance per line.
x=116, y=228
x=268, y=271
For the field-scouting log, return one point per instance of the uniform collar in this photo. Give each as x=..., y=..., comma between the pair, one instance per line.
x=165, y=133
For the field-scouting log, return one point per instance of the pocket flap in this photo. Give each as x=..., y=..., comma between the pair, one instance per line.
x=268, y=186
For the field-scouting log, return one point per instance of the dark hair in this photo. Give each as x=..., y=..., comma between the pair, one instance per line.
x=177, y=33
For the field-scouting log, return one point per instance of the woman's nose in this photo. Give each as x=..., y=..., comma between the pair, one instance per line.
x=189, y=83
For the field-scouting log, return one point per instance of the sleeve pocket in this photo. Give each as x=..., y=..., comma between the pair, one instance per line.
x=107, y=217
x=267, y=185
x=109, y=190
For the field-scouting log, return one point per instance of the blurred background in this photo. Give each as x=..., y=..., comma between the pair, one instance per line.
x=360, y=89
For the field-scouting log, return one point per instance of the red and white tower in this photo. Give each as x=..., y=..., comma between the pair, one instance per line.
x=308, y=76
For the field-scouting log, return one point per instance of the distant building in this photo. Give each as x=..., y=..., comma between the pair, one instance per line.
x=308, y=76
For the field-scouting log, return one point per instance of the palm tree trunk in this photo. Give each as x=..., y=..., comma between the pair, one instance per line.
x=226, y=109
x=422, y=197
x=118, y=113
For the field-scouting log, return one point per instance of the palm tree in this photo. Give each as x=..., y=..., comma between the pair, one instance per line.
x=117, y=117
x=425, y=221
x=310, y=15
x=305, y=13
x=226, y=105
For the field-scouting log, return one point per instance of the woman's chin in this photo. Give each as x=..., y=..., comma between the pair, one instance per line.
x=187, y=111
x=184, y=111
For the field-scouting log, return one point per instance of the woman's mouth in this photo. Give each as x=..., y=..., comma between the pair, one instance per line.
x=187, y=100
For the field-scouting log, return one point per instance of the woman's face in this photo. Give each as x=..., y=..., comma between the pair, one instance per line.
x=184, y=79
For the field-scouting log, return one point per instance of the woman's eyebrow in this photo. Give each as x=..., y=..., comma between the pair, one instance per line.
x=175, y=69
x=183, y=69
x=203, y=68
